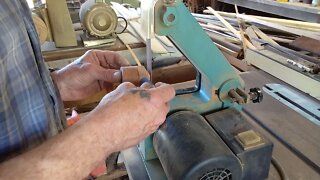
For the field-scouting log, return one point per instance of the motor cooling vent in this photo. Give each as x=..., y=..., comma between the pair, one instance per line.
x=217, y=174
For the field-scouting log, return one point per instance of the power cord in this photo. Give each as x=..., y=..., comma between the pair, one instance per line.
x=125, y=27
x=279, y=168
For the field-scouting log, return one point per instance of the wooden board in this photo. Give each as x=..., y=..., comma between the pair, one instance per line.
x=307, y=44
x=231, y=28
x=239, y=64
x=282, y=28
x=128, y=38
x=263, y=35
x=182, y=72
x=286, y=22
x=214, y=27
x=156, y=46
x=272, y=63
x=253, y=36
x=61, y=24
x=52, y=54
x=165, y=40
x=281, y=39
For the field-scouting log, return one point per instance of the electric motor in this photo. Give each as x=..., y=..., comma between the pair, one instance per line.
x=188, y=148
x=98, y=18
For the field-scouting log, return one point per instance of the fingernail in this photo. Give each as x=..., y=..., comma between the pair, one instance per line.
x=117, y=75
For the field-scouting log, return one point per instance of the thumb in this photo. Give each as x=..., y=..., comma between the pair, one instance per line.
x=165, y=92
x=108, y=75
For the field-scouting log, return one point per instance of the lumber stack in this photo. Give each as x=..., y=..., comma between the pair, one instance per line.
x=233, y=33
x=268, y=44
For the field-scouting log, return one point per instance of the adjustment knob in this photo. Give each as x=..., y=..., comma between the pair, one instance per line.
x=256, y=95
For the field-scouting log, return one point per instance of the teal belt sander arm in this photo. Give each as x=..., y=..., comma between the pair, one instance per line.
x=205, y=136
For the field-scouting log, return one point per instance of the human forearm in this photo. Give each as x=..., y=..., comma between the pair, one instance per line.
x=122, y=119
x=69, y=155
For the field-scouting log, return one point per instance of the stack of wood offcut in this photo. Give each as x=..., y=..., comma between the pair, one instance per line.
x=236, y=33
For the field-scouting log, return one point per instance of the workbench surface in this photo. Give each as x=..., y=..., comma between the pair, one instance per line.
x=296, y=139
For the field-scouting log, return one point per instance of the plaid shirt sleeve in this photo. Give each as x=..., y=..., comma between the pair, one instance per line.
x=30, y=107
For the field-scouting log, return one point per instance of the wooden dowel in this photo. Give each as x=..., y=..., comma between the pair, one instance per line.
x=231, y=28
x=270, y=19
x=244, y=42
x=281, y=40
x=282, y=28
x=214, y=27
x=133, y=55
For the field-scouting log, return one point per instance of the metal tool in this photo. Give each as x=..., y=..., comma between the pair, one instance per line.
x=205, y=136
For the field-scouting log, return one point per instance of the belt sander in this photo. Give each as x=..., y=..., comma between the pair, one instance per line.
x=205, y=135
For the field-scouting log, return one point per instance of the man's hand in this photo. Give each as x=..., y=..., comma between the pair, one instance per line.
x=123, y=118
x=94, y=71
x=132, y=113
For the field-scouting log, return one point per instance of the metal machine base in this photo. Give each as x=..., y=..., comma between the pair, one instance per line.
x=230, y=125
x=94, y=41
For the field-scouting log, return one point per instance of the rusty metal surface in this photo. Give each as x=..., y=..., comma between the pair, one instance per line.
x=307, y=44
x=197, y=6
x=296, y=139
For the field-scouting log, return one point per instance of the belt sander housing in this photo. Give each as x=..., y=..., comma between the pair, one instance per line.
x=206, y=136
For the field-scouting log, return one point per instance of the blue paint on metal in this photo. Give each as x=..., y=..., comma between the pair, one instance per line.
x=195, y=45
x=217, y=75
x=204, y=95
x=198, y=48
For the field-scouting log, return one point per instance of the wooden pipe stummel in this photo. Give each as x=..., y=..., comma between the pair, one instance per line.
x=134, y=74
